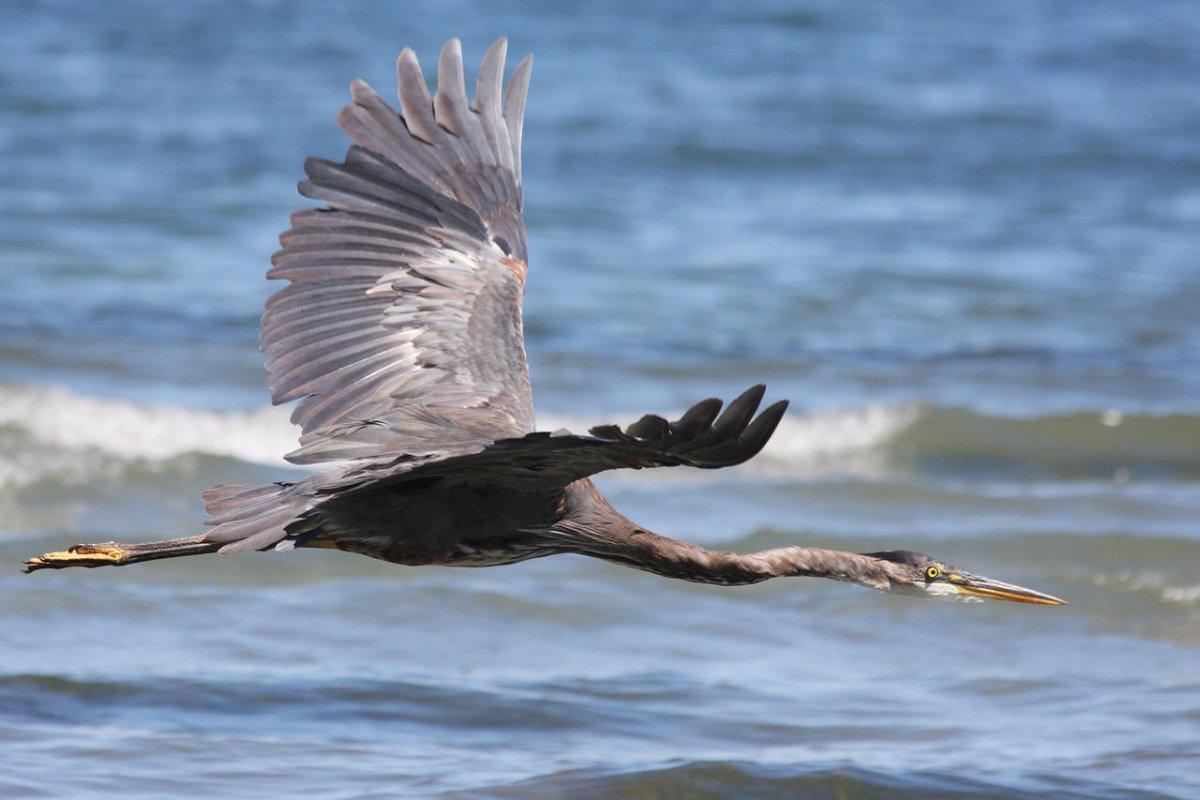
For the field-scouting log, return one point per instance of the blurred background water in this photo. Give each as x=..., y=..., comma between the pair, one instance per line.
x=962, y=238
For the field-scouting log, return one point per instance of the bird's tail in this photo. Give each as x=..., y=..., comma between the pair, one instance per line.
x=117, y=554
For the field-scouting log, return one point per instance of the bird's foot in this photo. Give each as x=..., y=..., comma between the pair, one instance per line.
x=81, y=555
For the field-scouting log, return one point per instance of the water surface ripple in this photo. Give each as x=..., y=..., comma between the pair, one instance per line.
x=963, y=241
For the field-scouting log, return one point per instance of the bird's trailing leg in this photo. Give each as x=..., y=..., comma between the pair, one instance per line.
x=80, y=555
x=116, y=554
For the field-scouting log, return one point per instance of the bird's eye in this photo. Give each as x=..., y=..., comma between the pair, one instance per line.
x=932, y=573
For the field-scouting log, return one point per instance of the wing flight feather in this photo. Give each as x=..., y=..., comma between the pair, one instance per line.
x=405, y=289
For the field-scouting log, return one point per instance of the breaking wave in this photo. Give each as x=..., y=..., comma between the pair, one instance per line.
x=54, y=431
x=58, y=433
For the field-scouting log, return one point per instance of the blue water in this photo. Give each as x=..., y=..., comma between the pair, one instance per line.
x=963, y=239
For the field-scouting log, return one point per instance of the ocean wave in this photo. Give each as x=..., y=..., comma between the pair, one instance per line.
x=1150, y=584
x=72, y=437
x=51, y=431
x=699, y=778
x=1083, y=443
x=115, y=710
x=62, y=419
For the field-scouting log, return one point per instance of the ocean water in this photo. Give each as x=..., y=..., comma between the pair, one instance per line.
x=964, y=239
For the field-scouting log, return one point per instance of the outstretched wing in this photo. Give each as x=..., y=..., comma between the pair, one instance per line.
x=258, y=517
x=703, y=437
x=406, y=289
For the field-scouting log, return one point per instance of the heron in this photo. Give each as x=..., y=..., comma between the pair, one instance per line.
x=398, y=338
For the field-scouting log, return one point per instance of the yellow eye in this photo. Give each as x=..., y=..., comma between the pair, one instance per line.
x=932, y=573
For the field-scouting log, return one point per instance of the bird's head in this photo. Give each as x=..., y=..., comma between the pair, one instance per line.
x=916, y=573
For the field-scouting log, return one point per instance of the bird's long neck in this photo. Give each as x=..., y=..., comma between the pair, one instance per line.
x=599, y=530
x=673, y=558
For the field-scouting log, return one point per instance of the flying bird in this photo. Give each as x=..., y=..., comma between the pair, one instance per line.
x=399, y=338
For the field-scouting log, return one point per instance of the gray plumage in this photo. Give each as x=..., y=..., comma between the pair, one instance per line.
x=398, y=337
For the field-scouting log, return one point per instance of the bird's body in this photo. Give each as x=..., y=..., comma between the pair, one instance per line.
x=399, y=338
x=456, y=526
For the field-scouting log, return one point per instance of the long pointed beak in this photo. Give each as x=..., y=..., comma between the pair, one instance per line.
x=978, y=586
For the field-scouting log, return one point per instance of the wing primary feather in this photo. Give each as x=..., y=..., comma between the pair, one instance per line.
x=650, y=427
x=488, y=102
x=697, y=419
x=607, y=432
x=738, y=413
x=451, y=99
x=514, y=109
x=372, y=123
x=415, y=101
x=759, y=432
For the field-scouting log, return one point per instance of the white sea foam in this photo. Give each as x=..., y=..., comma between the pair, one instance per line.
x=832, y=436
x=1153, y=583
x=70, y=434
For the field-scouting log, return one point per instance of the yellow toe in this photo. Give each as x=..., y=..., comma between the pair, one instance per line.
x=81, y=555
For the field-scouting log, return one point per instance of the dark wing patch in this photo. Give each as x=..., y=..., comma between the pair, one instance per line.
x=553, y=460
